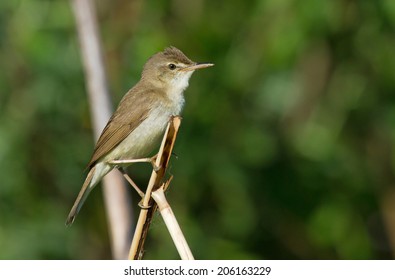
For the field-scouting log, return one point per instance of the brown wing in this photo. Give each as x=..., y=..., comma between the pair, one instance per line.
x=131, y=112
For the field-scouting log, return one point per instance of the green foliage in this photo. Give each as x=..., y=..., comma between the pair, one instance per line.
x=286, y=149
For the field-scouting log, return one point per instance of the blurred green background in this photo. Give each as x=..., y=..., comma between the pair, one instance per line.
x=286, y=149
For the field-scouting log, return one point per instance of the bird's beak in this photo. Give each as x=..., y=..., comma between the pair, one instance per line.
x=197, y=66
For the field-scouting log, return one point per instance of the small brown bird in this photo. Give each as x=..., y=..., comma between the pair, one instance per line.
x=140, y=120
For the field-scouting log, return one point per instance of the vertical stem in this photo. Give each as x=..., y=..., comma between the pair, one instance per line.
x=148, y=205
x=116, y=196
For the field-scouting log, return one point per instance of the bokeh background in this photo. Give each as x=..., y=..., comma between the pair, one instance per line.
x=286, y=149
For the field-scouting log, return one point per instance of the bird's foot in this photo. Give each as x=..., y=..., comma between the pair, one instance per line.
x=153, y=162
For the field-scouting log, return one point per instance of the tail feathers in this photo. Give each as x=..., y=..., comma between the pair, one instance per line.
x=84, y=192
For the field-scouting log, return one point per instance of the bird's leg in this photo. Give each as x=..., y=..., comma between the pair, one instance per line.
x=130, y=181
x=130, y=161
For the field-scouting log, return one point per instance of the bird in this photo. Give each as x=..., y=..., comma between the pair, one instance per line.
x=139, y=122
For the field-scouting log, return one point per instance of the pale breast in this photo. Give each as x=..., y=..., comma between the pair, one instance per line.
x=146, y=137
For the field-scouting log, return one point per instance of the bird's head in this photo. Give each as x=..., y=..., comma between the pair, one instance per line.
x=171, y=68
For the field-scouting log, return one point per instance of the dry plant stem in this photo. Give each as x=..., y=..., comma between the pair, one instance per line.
x=148, y=206
x=172, y=224
x=116, y=197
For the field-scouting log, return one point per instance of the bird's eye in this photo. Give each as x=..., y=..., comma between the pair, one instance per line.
x=172, y=66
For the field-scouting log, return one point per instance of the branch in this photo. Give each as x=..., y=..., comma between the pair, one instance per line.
x=148, y=206
x=171, y=223
x=116, y=197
